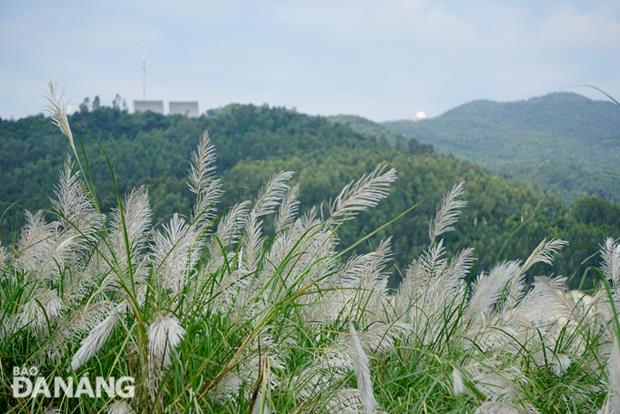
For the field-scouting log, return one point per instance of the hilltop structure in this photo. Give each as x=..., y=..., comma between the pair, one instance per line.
x=186, y=108
x=146, y=105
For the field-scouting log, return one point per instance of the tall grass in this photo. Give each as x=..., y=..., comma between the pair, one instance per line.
x=214, y=312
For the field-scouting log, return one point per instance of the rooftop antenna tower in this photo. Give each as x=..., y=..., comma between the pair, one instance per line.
x=143, y=66
x=143, y=77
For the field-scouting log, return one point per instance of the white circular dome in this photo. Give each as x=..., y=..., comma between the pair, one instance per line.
x=420, y=115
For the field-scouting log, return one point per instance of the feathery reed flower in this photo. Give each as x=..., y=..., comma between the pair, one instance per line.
x=362, y=372
x=56, y=109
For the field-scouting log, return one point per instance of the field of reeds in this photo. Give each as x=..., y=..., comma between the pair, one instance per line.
x=259, y=309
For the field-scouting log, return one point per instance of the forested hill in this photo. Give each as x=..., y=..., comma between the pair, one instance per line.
x=562, y=141
x=381, y=133
x=503, y=220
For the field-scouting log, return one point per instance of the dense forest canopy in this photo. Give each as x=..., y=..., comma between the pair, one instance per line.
x=502, y=221
x=563, y=142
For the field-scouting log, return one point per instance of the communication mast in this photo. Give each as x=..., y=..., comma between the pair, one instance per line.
x=143, y=77
x=184, y=108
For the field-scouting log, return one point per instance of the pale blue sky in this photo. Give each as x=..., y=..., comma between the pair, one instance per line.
x=379, y=59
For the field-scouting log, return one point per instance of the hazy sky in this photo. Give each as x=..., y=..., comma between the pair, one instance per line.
x=380, y=59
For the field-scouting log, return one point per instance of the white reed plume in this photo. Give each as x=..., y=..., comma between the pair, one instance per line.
x=610, y=252
x=345, y=401
x=446, y=287
x=612, y=405
x=459, y=266
x=496, y=381
x=516, y=289
x=252, y=243
x=227, y=234
x=262, y=403
x=56, y=109
x=74, y=325
x=448, y=212
x=128, y=239
x=97, y=337
x=558, y=363
x=288, y=210
x=365, y=193
x=4, y=257
x=488, y=289
x=36, y=247
x=434, y=261
x=229, y=228
x=272, y=194
x=203, y=182
x=365, y=281
x=120, y=407
x=175, y=251
x=328, y=368
x=202, y=165
x=362, y=372
x=381, y=335
x=496, y=407
x=137, y=222
x=43, y=308
x=50, y=409
x=416, y=291
x=267, y=202
x=227, y=387
x=458, y=386
x=366, y=272
x=543, y=253
x=165, y=334
x=313, y=249
x=77, y=212
x=552, y=302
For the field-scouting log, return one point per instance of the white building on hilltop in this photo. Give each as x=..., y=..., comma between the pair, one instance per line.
x=185, y=108
x=144, y=106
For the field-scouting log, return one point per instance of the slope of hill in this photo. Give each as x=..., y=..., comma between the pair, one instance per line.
x=562, y=141
x=503, y=220
x=381, y=133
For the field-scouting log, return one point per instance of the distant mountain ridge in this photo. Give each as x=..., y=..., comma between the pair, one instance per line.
x=571, y=113
x=561, y=141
